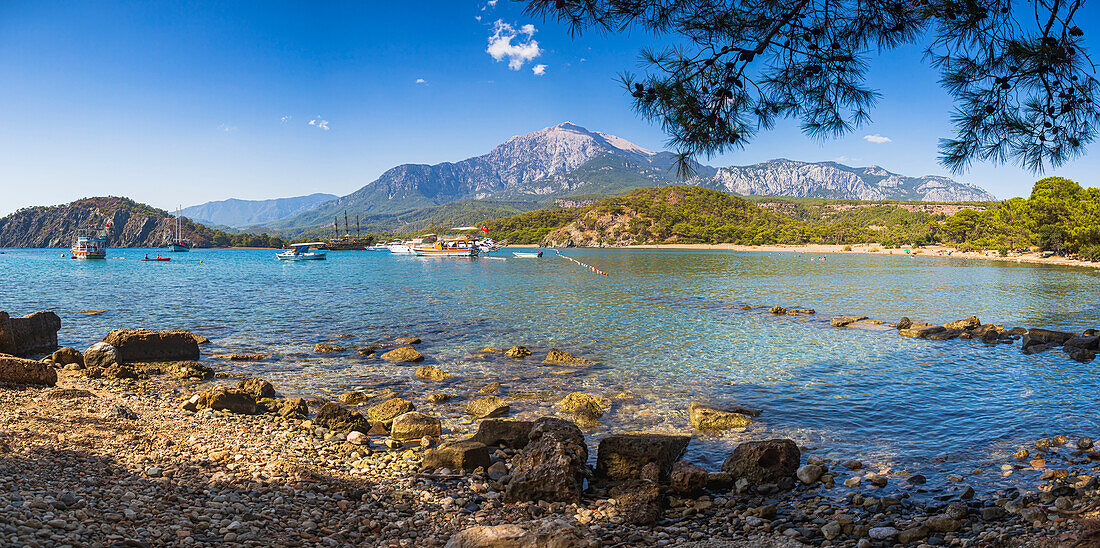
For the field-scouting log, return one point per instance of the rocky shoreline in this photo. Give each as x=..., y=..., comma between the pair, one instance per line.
x=135, y=442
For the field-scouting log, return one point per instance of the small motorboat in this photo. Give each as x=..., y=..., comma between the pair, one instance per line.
x=302, y=252
x=527, y=254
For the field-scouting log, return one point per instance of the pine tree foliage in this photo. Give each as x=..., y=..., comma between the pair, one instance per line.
x=1022, y=81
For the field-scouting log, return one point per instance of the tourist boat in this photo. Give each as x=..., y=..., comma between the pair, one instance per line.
x=527, y=254
x=488, y=245
x=399, y=247
x=448, y=246
x=379, y=247
x=178, y=244
x=90, y=243
x=302, y=252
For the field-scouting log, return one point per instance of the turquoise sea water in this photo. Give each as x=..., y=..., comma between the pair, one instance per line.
x=664, y=327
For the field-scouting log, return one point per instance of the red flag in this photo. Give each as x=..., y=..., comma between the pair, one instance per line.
x=485, y=228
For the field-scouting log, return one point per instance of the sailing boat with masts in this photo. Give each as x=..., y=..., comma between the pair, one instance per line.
x=179, y=244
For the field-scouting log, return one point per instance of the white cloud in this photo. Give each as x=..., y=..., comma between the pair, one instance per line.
x=876, y=138
x=227, y=128
x=477, y=18
x=421, y=81
x=492, y=3
x=318, y=122
x=847, y=159
x=285, y=118
x=501, y=46
x=539, y=70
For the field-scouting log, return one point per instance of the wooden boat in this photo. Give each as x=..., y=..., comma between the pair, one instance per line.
x=527, y=254
x=179, y=244
x=447, y=246
x=302, y=252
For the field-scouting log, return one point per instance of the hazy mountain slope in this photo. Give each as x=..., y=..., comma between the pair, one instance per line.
x=242, y=213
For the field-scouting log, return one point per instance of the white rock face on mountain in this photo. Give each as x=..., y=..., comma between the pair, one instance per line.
x=831, y=180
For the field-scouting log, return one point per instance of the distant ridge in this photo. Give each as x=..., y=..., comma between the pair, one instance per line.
x=245, y=213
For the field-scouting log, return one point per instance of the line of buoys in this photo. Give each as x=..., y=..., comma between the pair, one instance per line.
x=588, y=266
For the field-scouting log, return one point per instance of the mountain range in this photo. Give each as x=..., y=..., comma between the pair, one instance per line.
x=245, y=213
x=569, y=160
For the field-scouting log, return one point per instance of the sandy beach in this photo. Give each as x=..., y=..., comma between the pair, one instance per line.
x=876, y=249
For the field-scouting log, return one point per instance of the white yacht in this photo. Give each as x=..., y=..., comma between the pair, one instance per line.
x=302, y=252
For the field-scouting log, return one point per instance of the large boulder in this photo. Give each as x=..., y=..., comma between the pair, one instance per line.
x=259, y=388
x=763, y=461
x=66, y=356
x=486, y=407
x=553, y=465
x=21, y=371
x=511, y=434
x=389, y=409
x=1036, y=336
x=222, y=398
x=415, y=425
x=291, y=408
x=705, y=418
x=687, y=478
x=145, y=345
x=460, y=455
x=405, y=354
x=30, y=334
x=341, y=419
x=622, y=456
x=966, y=324
x=100, y=354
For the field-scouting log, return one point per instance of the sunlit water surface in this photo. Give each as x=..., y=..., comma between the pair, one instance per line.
x=665, y=328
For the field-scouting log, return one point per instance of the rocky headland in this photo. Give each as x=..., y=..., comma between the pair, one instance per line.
x=132, y=225
x=139, y=441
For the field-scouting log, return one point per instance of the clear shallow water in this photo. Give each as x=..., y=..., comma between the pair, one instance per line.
x=663, y=327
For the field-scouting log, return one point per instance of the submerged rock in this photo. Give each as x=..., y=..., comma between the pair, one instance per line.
x=579, y=400
x=327, y=348
x=354, y=398
x=777, y=310
x=517, y=352
x=431, y=373
x=485, y=407
x=560, y=356
x=763, y=461
x=491, y=388
x=100, y=354
x=462, y=455
x=921, y=332
x=800, y=311
x=405, y=354
x=705, y=418
x=145, y=345
x=845, y=321
x=20, y=371
x=622, y=456
x=405, y=341
x=587, y=417
x=439, y=398
x=552, y=466
x=254, y=357
x=258, y=388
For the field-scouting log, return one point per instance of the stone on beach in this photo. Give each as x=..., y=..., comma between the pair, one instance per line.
x=290, y=408
x=461, y=455
x=222, y=398
x=100, y=354
x=389, y=409
x=767, y=461
x=415, y=425
x=552, y=466
x=517, y=352
x=68, y=394
x=622, y=456
x=405, y=354
x=640, y=502
x=687, y=478
x=259, y=388
x=145, y=345
x=21, y=371
x=705, y=418
x=340, y=419
x=486, y=407
x=190, y=370
x=512, y=434
x=431, y=373
x=845, y=321
x=30, y=334
x=809, y=473
x=67, y=355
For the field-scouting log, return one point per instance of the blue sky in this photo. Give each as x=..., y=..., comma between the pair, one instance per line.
x=181, y=103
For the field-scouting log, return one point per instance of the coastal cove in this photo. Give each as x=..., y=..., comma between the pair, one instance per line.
x=664, y=328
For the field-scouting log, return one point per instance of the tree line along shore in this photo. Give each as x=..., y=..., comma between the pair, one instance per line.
x=138, y=440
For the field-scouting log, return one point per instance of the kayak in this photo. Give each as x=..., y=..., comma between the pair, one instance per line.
x=158, y=259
